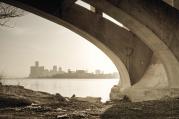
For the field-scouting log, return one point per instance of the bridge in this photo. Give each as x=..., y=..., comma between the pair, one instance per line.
x=144, y=48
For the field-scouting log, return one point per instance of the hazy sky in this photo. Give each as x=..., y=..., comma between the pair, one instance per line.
x=36, y=39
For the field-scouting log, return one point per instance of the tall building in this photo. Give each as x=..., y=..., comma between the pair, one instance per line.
x=98, y=71
x=38, y=71
x=37, y=63
x=55, y=68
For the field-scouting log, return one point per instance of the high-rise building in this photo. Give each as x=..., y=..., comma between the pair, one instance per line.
x=36, y=71
x=37, y=63
x=39, y=71
x=55, y=68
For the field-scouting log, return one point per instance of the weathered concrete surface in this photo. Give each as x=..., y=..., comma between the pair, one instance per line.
x=152, y=86
x=173, y=3
x=159, y=17
x=176, y=4
x=129, y=13
x=162, y=20
x=157, y=75
x=143, y=31
x=170, y=2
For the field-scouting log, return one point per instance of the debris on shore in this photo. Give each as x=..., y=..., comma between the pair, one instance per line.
x=16, y=102
x=23, y=103
x=87, y=99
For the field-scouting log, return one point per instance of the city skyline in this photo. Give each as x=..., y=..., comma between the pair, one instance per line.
x=55, y=67
x=34, y=38
x=39, y=71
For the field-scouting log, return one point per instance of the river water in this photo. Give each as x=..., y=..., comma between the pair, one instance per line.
x=68, y=87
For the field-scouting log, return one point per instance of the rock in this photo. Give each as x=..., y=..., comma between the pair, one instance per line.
x=33, y=104
x=123, y=98
x=37, y=97
x=88, y=109
x=73, y=96
x=136, y=109
x=89, y=99
x=13, y=101
x=60, y=98
x=64, y=116
x=109, y=102
x=78, y=115
x=74, y=115
x=59, y=109
x=126, y=99
x=37, y=108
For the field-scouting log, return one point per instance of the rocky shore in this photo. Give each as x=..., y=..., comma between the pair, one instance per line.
x=16, y=102
x=167, y=108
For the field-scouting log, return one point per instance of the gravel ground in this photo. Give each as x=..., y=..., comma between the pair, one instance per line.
x=19, y=103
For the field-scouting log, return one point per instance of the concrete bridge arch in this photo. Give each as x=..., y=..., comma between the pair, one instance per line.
x=133, y=52
x=141, y=18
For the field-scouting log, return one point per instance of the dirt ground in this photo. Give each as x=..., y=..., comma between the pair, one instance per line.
x=19, y=103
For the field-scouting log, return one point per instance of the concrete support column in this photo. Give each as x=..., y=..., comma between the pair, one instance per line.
x=176, y=4
x=96, y=10
x=170, y=2
x=173, y=3
x=92, y=9
x=159, y=48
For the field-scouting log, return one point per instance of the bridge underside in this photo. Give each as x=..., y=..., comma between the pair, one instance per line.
x=146, y=54
x=173, y=3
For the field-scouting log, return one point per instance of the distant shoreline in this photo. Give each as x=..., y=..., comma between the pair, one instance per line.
x=58, y=78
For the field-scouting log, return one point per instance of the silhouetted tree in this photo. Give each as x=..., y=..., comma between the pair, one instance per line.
x=7, y=12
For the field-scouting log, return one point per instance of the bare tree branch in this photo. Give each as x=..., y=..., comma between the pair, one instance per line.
x=7, y=12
